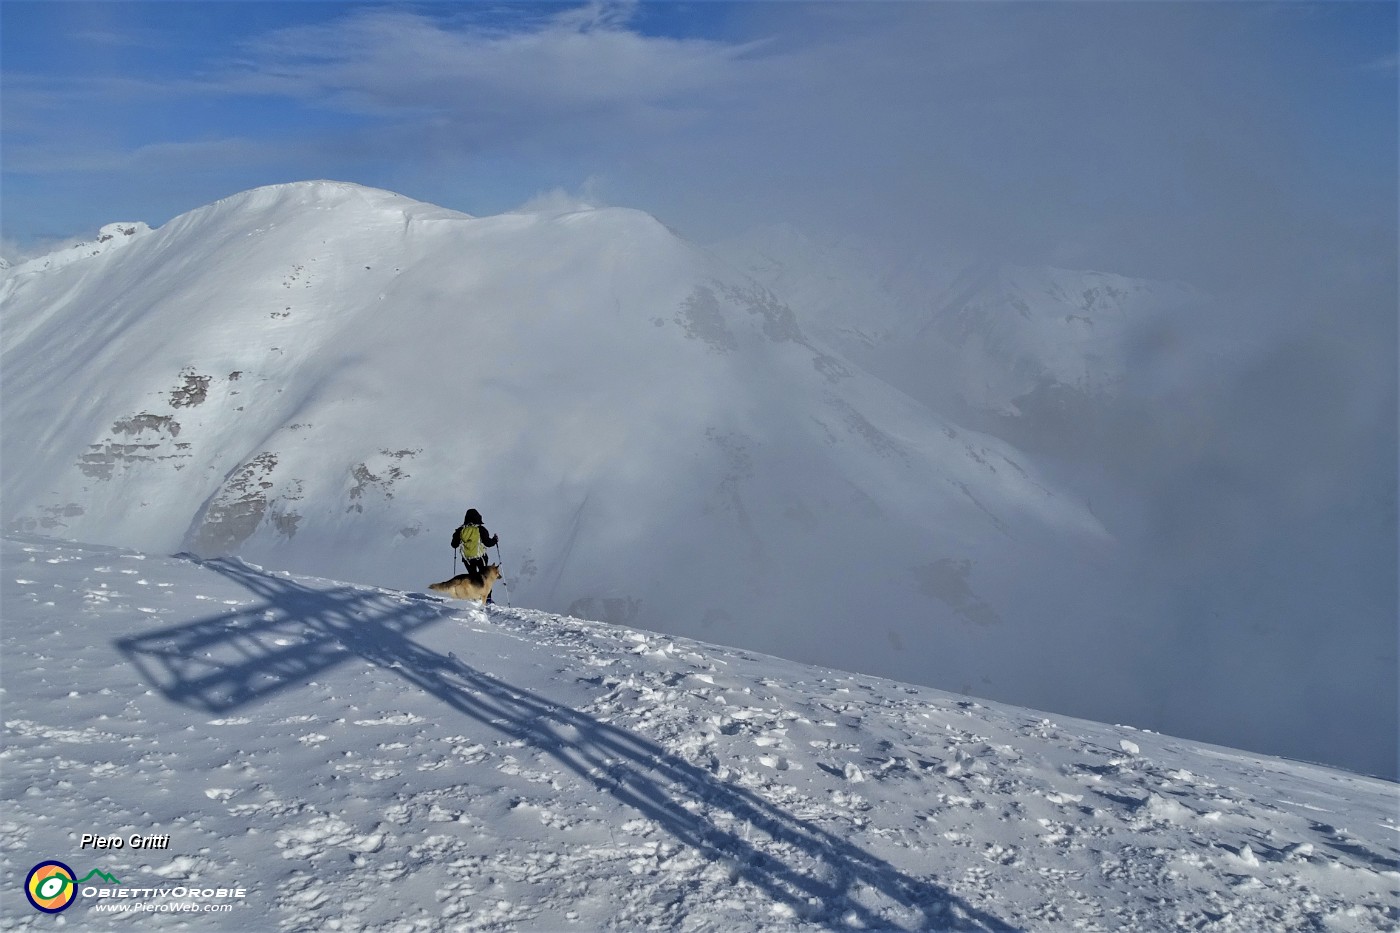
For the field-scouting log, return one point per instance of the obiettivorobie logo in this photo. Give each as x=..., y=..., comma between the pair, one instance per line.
x=52, y=886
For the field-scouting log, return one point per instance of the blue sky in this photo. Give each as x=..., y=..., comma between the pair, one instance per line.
x=1173, y=139
x=144, y=110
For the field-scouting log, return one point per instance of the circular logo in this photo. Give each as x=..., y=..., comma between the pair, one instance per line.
x=50, y=886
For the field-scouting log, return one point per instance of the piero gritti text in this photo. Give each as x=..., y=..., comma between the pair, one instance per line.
x=134, y=841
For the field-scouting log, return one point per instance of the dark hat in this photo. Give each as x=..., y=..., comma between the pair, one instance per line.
x=473, y=517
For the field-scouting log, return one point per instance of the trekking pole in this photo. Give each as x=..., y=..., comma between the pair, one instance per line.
x=500, y=561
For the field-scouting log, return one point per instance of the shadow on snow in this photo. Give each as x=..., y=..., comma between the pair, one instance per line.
x=239, y=657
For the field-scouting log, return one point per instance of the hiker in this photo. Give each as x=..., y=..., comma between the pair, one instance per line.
x=473, y=539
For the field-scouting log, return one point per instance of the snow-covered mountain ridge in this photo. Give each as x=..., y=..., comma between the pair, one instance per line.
x=361, y=759
x=109, y=237
x=322, y=377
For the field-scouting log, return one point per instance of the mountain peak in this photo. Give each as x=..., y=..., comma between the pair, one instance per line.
x=319, y=194
x=313, y=189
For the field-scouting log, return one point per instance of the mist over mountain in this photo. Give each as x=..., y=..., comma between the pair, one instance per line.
x=1240, y=446
x=322, y=377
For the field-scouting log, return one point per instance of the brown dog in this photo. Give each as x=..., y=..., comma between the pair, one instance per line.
x=470, y=585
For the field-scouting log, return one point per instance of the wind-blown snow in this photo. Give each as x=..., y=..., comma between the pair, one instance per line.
x=361, y=759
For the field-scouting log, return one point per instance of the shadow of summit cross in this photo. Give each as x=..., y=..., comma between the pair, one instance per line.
x=232, y=659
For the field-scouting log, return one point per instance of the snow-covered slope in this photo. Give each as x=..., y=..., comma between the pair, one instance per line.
x=359, y=759
x=322, y=377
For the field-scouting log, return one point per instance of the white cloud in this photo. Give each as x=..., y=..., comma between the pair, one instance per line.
x=397, y=63
x=561, y=201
